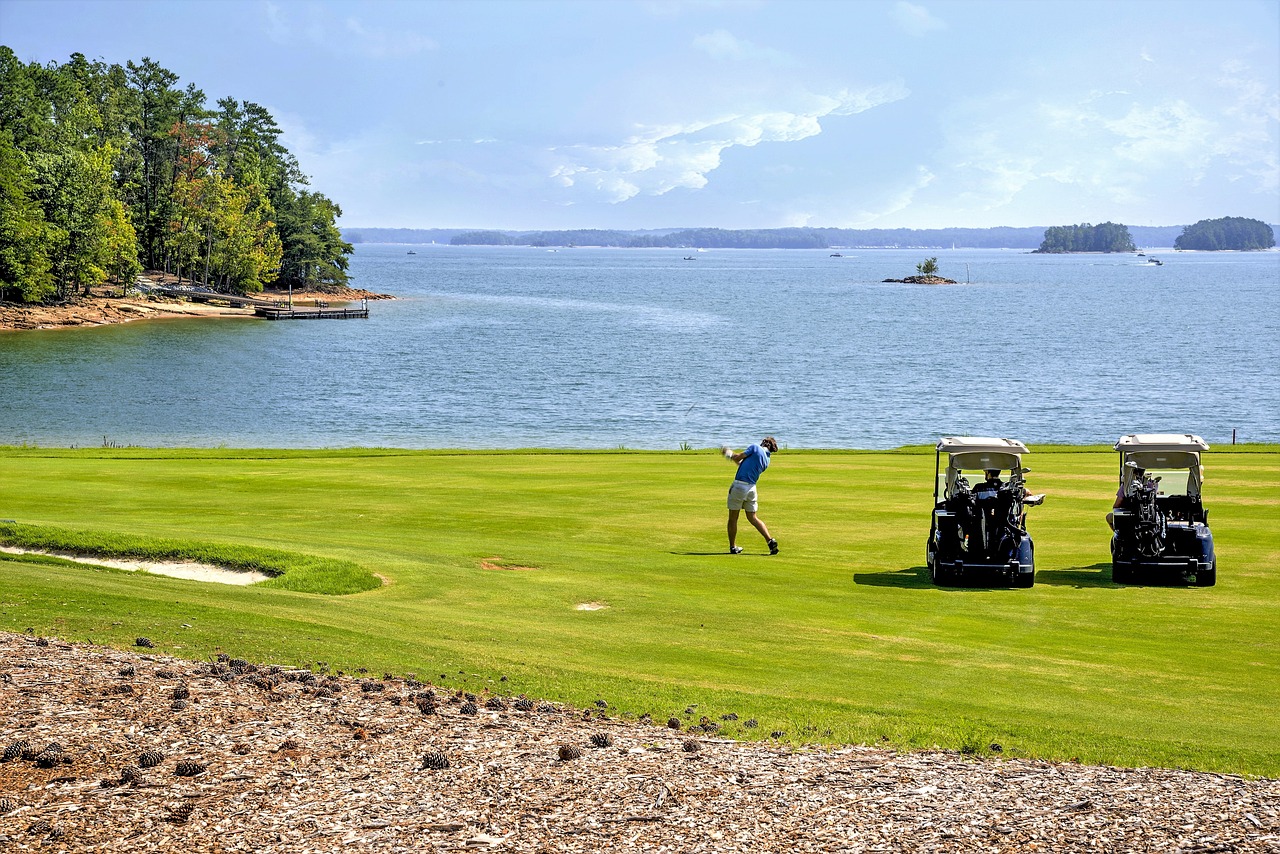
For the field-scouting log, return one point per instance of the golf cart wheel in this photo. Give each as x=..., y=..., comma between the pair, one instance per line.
x=1207, y=579
x=1024, y=579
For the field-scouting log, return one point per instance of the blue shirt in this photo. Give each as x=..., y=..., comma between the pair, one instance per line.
x=756, y=461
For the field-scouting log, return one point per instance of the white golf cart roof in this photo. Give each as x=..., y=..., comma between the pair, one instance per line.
x=1161, y=442
x=980, y=444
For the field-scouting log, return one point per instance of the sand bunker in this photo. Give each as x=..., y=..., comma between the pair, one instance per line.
x=175, y=569
x=590, y=606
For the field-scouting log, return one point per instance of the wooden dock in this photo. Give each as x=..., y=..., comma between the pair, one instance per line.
x=286, y=313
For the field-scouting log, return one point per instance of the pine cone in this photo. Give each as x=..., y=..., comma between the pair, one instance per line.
x=29, y=752
x=128, y=670
x=434, y=760
x=729, y=717
x=7, y=805
x=150, y=758
x=690, y=746
x=178, y=705
x=48, y=759
x=601, y=739
x=41, y=826
x=15, y=750
x=524, y=704
x=166, y=674
x=601, y=704
x=189, y=768
x=547, y=708
x=182, y=812
x=469, y=708
x=777, y=733
x=131, y=775
x=181, y=692
x=569, y=751
x=238, y=664
x=42, y=641
x=495, y=704
x=751, y=723
x=144, y=642
x=673, y=723
x=426, y=706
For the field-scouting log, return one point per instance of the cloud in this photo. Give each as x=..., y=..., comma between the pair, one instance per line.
x=657, y=159
x=318, y=25
x=723, y=45
x=916, y=20
x=380, y=43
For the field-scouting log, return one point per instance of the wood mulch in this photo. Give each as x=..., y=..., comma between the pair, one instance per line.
x=254, y=758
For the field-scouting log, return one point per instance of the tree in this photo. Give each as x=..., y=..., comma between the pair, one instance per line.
x=24, y=262
x=928, y=267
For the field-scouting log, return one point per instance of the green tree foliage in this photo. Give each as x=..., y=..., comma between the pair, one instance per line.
x=928, y=267
x=1231, y=232
x=105, y=169
x=1106, y=237
x=25, y=270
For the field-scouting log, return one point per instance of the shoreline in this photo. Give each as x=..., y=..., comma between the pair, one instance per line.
x=106, y=306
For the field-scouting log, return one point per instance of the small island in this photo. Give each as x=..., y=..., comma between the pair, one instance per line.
x=926, y=274
x=1232, y=233
x=1104, y=237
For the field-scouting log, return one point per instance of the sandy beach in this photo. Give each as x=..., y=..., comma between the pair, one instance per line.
x=104, y=305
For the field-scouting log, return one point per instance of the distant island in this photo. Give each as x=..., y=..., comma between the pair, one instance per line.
x=1231, y=233
x=1106, y=237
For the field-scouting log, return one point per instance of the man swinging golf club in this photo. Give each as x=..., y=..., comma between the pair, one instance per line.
x=742, y=494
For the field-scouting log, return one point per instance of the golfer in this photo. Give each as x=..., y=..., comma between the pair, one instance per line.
x=742, y=494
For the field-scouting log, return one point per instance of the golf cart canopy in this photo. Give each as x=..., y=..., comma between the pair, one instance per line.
x=957, y=444
x=1160, y=442
x=1167, y=453
x=974, y=453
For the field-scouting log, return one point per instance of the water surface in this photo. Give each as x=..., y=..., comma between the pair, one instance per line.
x=599, y=348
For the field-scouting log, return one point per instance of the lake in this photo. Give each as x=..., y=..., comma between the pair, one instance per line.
x=509, y=347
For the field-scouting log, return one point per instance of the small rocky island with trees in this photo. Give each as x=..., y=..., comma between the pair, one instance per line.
x=926, y=274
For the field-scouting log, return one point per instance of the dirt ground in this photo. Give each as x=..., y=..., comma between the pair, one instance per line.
x=112, y=750
x=107, y=305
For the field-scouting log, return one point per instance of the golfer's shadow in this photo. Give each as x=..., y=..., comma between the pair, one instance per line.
x=912, y=577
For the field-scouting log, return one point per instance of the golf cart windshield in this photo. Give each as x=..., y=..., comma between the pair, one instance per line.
x=975, y=463
x=1180, y=472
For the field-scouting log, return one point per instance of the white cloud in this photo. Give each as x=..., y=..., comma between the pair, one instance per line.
x=722, y=44
x=317, y=25
x=660, y=158
x=916, y=20
x=380, y=42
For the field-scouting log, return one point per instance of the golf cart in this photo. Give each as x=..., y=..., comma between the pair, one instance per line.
x=1161, y=526
x=979, y=531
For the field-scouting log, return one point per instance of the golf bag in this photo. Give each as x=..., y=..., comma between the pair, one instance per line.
x=1149, y=528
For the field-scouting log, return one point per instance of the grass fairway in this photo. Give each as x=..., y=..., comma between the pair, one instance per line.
x=840, y=638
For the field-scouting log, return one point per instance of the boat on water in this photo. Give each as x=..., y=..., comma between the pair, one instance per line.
x=1155, y=261
x=411, y=252
x=690, y=258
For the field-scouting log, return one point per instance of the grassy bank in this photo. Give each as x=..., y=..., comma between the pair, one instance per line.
x=838, y=639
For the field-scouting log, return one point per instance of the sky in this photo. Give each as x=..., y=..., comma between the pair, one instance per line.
x=635, y=114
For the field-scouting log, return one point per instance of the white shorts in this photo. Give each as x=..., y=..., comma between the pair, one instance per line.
x=742, y=496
